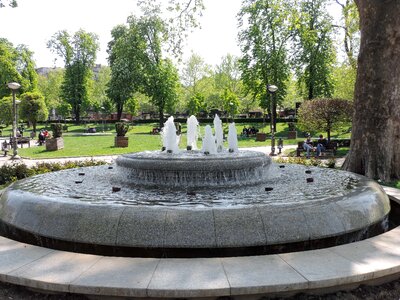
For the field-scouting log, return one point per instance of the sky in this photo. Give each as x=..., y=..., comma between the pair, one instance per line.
x=33, y=23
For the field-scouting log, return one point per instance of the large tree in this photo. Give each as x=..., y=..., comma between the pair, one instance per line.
x=50, y=87
x=315, y=54
x=16, y=64
x=79, y=54
x=324, y=114
x=351, y=30
x=33, y=108
x=375, y=141
x=137, y=64
x=266, y=29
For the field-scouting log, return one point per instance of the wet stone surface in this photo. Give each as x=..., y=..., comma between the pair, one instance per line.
x=286, y=186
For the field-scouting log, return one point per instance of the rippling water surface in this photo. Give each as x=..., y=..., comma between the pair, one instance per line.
x=95, y=185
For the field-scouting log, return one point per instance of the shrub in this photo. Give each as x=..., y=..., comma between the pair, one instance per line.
x=121, y=128
x=57, y=130
x=12, y=172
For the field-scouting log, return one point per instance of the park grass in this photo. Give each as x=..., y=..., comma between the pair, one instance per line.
x=141, y=139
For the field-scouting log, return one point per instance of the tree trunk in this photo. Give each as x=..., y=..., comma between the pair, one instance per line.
x=161, y=116
x=77, y=114
x=120, y=108
x=375, y=142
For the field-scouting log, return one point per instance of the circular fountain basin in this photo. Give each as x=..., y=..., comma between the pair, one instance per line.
x=193, y=169
x=90, y=210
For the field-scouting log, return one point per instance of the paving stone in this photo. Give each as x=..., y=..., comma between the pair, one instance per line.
x=196, y=277
x=14, y=255
x=116, y=276
x=53, y=272
x=380, y=255
x=324, y=268
x=261, y=274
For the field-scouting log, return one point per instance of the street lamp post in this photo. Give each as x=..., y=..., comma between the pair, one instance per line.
x=272, y=90
x=14, y=86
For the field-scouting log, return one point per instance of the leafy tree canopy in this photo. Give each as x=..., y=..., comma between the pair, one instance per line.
x=79, y=54
x=33, y=108
x=324, y=114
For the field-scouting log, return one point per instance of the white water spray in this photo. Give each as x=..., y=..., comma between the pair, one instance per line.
x=219, y=133
x=232, y=138
x=169, y=137
x=192, y=132
x=209, y=145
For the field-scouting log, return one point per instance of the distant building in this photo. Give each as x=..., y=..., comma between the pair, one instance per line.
x=44, y=71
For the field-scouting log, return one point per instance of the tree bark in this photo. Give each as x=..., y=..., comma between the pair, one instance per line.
x=375, y=142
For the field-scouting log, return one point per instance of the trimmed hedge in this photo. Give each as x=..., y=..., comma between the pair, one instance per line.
x=13, y=172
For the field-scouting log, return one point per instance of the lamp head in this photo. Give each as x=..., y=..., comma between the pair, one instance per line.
x=13, y=85
x=272, y=88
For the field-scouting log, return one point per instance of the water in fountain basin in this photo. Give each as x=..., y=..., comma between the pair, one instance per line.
x=209, y=145
x=192, y=132
x=169, y=136
x=232, y=138
x=219, y=134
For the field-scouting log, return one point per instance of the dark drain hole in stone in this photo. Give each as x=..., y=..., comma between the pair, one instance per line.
x=268, y=189
x=188, y=148
x=281, y=166
x=308, y=171
x=81, y=174
x=116, y=189
x=169, y=151
x=110, y=168
x=78, y=181
x=310, y=180
x=190, y=193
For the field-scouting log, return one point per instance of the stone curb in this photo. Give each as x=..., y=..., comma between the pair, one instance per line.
x=288, y=273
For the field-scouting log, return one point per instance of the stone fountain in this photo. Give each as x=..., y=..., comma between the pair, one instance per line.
x=193, y=203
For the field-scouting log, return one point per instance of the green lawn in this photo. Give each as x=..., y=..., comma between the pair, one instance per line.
x=140, y=139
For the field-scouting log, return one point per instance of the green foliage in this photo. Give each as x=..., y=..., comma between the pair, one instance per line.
x=16, y=65
x=351, y=27
x=263, y=42
x=137, y=64
x=324, y=114
x=50, y=87
x=26, y=67
x=6, y=115
x=33, y=108
x=57, y=129
x=181, y=16
x=315, y=54
x=98, y=92
x=121, y=128
x=231, y=102
x=344, y=77
x=195, y=104
x=79, y=54
x=12, y=172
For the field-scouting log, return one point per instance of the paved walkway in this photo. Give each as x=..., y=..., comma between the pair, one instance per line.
x=368, y=261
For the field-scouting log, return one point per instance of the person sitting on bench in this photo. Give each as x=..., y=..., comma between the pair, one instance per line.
x=321, y=145
x=308, y=145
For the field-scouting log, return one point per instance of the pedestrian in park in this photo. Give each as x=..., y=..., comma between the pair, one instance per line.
x=308, y=146
x=321, y=145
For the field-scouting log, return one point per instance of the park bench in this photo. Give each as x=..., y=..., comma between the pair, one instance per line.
x=330, y=148
x=24, y=140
